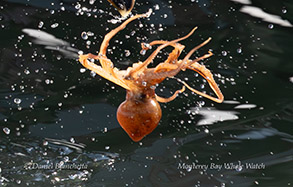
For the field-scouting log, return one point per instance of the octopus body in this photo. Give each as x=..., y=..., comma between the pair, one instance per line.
x=140, y=113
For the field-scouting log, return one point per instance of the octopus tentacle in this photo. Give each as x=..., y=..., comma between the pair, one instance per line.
x=206, y=74
x=109, y=36
x=144, y=64
x=100, y=71
x=178, y=48
x=105, y=62
x=166, y=100
x=195, y=49
x=169, y=70
x=107, y=66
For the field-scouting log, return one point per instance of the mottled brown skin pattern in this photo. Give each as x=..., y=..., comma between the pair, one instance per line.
x=140, y=114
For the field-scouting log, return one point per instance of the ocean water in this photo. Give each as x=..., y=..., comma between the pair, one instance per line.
x=58, y=120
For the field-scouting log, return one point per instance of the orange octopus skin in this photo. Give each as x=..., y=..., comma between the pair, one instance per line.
x=140, y=114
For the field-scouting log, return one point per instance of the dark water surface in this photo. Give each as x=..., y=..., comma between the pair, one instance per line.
x=54, y=113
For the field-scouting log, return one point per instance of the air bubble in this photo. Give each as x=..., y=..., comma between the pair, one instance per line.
x=271, y=26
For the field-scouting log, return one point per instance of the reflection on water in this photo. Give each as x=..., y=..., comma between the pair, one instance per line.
x=53, y=113
x=212, y=115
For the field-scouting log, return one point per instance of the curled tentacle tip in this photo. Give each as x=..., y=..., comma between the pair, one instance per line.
x=194, y=28
x=182, y=89
x=147, y=14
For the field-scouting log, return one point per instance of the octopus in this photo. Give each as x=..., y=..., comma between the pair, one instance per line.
x=140, y=113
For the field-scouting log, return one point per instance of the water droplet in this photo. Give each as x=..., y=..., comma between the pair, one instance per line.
x=77, y=6
x=206, y=131
x=147, y=45
x=127, y=53
x=153, y=87
x=144, y=83
x=284, y=11
x=84, y=35
x=89, y=33
x=239, y=168
x=6, y=130
x=271, y=26
x=157, y=7
x=224, y=53
x=47, y=81
x=92, y=2
x=17, y=101
x=54, y=25
x=239, y=50
x=201, y=103
x=82, y=70
x=143, y=52
x=41, y=24
x=26, y=71
x=72, y=140
x=93, y=74
x=188, y=169
x=66, y=159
